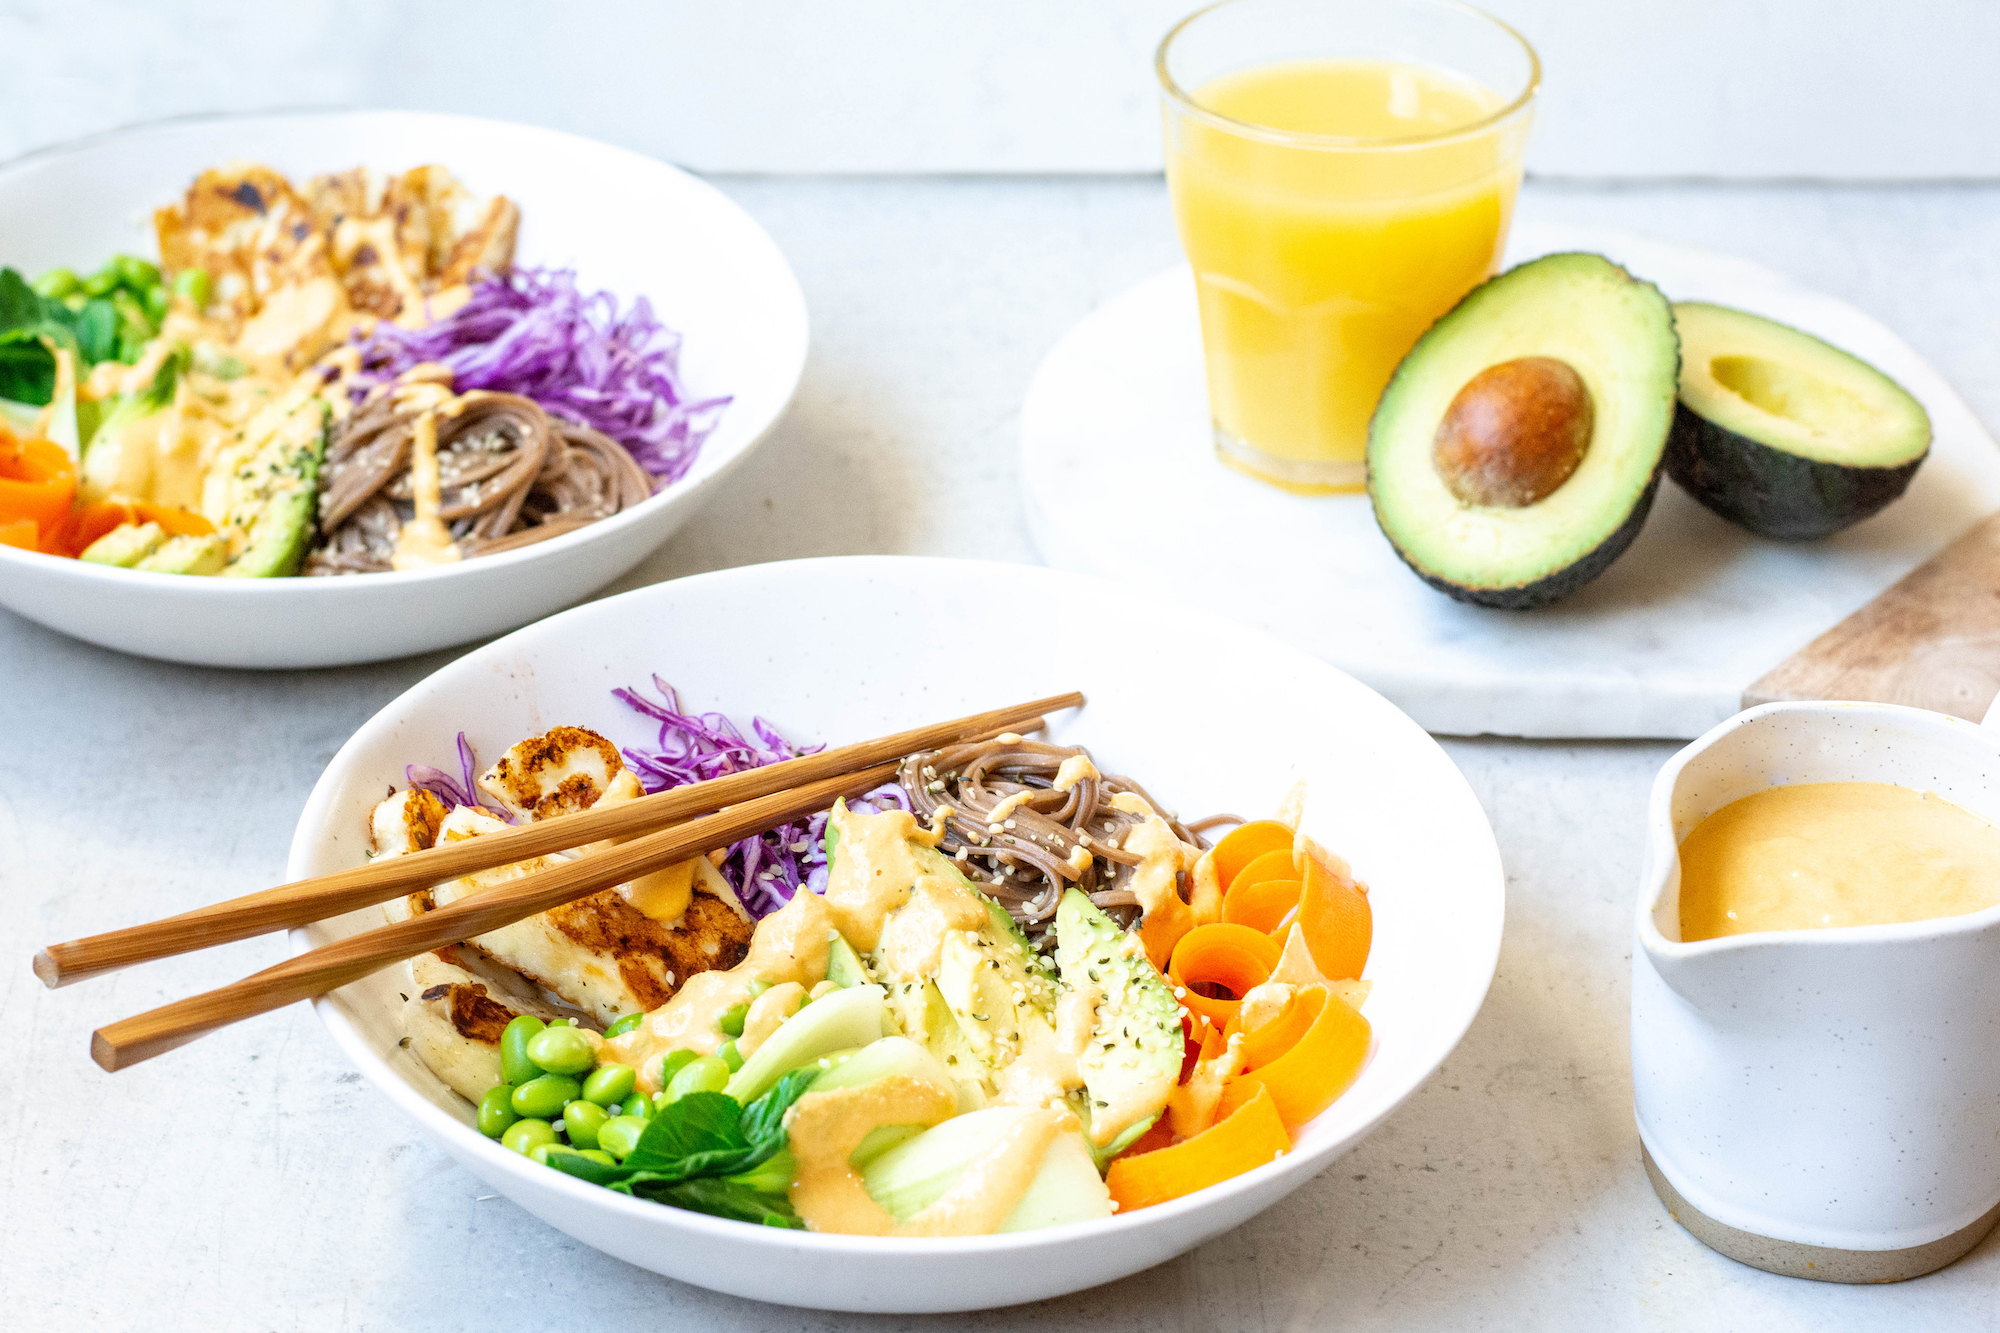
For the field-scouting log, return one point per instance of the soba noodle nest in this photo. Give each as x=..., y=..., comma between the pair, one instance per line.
x=511, y=475
x=1026, y=867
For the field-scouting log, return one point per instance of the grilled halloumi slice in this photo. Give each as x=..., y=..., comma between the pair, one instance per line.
x=562, y=771
x=624, y=949
x=454, y=1017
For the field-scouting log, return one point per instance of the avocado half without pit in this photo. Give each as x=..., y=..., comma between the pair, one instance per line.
x=1518, y=446
x=1784, y=434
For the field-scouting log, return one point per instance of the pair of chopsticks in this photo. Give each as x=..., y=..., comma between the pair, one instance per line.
x=655, y=831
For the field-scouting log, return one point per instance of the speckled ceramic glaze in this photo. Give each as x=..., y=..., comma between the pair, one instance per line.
x=1824, y=1103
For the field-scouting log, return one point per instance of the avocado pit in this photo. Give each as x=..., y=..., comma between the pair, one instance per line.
x=1514, y=433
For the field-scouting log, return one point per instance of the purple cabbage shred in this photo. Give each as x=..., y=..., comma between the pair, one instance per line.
x=454, y=792
x=533, y=332
x=693, y=747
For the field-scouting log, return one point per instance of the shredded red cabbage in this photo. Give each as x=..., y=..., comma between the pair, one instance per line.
x=453, y=792
x=533, y=332
x=765, y=871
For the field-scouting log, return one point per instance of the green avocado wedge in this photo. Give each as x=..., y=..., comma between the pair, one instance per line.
x=1134, y=1054
x=1784, y=434
x=266, y=484
x=1610, y=337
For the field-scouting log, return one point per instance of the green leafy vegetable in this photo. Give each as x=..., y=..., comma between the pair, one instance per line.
x=728, y=1198
x=703, y=1152
x=32, y=326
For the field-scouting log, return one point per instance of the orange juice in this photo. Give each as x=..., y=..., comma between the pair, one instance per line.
x=1340, y=208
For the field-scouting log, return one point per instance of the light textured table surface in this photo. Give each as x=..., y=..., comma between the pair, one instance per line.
x=252, y=1182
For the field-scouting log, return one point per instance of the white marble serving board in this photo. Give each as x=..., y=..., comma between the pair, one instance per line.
x=1120, y=479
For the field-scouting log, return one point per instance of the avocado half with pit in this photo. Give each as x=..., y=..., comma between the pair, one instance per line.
x=1787, y=435
x=1518, y=446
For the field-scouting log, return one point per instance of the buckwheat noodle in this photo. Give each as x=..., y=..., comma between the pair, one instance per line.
x=1025, y=865
x=510, y=475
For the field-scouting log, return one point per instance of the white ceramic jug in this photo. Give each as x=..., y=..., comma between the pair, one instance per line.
x=1821, y=1103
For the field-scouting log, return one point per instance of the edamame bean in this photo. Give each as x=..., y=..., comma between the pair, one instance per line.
x=674, y=1063
x=545, y=1097
x=541, y=1152
x=136, y=273
x=193, y=284
x=599, y=1155
x=102, y=282
x=157, y=303
x=515, y=1066
x=637, y=1104
x=524, y=1136
x=620, y=1135
x=730, y=1055
x=562, y=1050
x=496, y=1111
x=732, y=1018
x=582, y=1120
x=610, y=1083
x=58, y=283
x=625, y=1024
x=709, y=1073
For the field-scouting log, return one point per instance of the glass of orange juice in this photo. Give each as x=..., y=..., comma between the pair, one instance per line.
x=1342, y=172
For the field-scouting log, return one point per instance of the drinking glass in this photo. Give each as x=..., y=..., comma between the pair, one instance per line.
x=1320, y=257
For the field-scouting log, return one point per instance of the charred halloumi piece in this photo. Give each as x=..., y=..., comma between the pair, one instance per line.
x=458, y=1005
x=626, y=948
x=560, y=772
x=601, y=953
x=407, y=822
x=252, y=233
x=397, y=241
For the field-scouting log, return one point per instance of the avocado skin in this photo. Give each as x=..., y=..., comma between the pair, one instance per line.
x=1552, y=587
x=1773, y=493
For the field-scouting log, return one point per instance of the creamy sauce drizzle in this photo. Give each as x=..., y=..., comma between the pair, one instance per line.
x=826, y=1128
x=1075, y=769
x=768, y=1010
x=1825, y=854
x=424, y=541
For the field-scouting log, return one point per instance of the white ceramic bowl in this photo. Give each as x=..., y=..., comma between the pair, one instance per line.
x=625, y=222
x=1209, y=716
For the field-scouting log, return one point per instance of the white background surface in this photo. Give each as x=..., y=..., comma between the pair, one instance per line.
x=250, y=1183
x=1842, y=89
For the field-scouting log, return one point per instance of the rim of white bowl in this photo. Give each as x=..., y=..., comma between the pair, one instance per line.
x=704, y=468
x=1302, y=1164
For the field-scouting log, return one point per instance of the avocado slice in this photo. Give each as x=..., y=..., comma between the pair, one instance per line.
x=125, y=545
x=844, y=967
x=1518, y=489
x=1136, y=1043
x=1784, y=434
x=265, y=486
x=189, y=554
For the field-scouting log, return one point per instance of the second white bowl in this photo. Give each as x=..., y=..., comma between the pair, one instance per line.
x=626, y=223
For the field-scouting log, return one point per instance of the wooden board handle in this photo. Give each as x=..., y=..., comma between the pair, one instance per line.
x=1931, y=640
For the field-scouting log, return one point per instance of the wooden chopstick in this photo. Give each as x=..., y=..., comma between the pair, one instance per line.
x=129, y=1041
x=323, y=896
